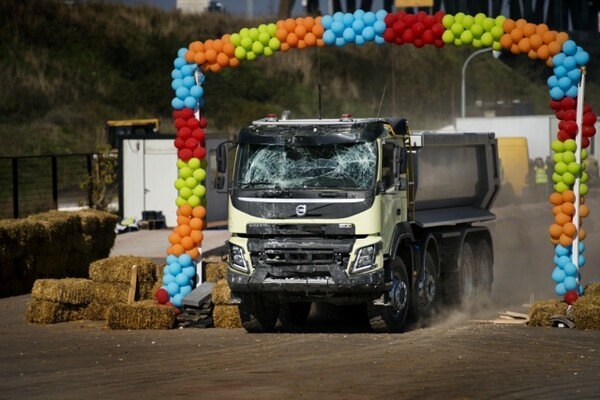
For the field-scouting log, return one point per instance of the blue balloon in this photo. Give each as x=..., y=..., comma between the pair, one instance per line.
x=177, y=300
x=569, y=48
x=349, y=35
x=582, y=57
x=368, y=33
x=184, y=290
x=172, y=288
x=176, y=74
x=337, y=27
x=560, y=289
x=190, y=272
x=381, y=14
x=558, y=275
x=187, y=70
x=185, y=260
x=189, y=81
x=338, y=16
x=174, y=268
x=181, y=52
x=564, y=83
x=574, y=75
x=182, y=279
x=581, y=260
x=340, y=42
x=569, y=63
x=179, y=62
x=581, y=247
x=168, y=278
x=359, y=40
x=369, y=18
x=557, y=60
x=379, y=27
x=562, y=261
x=329, y=37
x=326, y=21
x=196, y=92
x=359, y=14
x=379, y=39
x=348, y=19
x=358, y=26
x=177, y=83
x=190, y=102
x=560, y=71
x=580, y=290
x=177, y=104
x=182, y=92
x=561, y=250
x=166, y=269
x=570, y=283
x=171, y=259
x=556, y=93
x=552, y=81
x=572, y=92
x=570, y=269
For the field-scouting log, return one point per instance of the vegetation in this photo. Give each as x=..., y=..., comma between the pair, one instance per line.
x=65, y=70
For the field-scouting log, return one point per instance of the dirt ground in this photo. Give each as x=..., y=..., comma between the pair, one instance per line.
x=333, y=358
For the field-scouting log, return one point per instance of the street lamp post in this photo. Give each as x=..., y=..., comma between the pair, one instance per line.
x=464, y=68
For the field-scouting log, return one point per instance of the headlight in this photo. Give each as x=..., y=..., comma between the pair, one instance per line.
x=236, y=258
x=365, y=259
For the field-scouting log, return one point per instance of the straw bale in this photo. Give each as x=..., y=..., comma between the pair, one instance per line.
x=214, y=272
x=95, y=311
x=226, y=316
x=586, y=312
x=118, y=269
x=221, y=294
x=213, y=259
x=592, y=290
x=540, y=312
x=50, y=312
x=68, y=291
x=140, y=315
x=118, y=292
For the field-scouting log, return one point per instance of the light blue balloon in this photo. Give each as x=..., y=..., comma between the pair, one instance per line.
x=556, y=93
x=177, y=300
x=185, y=290
x=574, y=75
x=560, y=289
x=189, y=81
x=182, y=279
x=562, y=261
x=171, y=259
x=176, y=74
x=329, y=37
x=379, y=27
x=340, y=42
x=358, y=26
x=581, y=260
x=569, y=48
x=558, y=275
x=172, y=288
x=185, y=260
x=182, y=92
x=561, y=250
x=348, y=19
x=187, y=70
x=166, y=270
x=570, y=283
x=326, y=21
x=379, y=39
x=569, y=63
x=338, y=16
x=572, y=92
x=582, y=57
x=349, y=35
x=174, y=268
x=552, y=81
x=196, y=92
x=181, y=52
x=580, y=290
x=381, y=14
x=564, y=83
x=190, y=272
x=368, y=33
x=558, y=59
x=359, y=40
x=581, y=247
x=359, y=14
x=179, y=62
x=177, y=104
x=177, y=83
x=570, y=269
x=560, y=71
x=369, y=18
x=337, y=27
x=190, y=102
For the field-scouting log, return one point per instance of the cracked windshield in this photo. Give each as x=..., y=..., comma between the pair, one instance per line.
x=332, y=166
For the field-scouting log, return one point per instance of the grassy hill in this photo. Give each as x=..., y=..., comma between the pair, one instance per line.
x=65, y=70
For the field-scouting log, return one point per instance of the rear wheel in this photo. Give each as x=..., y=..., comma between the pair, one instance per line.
x=257, y=313
x=391, y=317
x=483, y=268
x=466, y=276
x=428, y=287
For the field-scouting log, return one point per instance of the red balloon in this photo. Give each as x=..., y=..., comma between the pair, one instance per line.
x=180, y=123
x=390, y=19
x=590, y=118
x=439, y=43
x=410, y=19
x=421, y=15
x=184, y=133
x=568, y=103
x=185, y=154
x=398, y=40
x=179, y=143
x=389, y=35
x=439, y=16
x=428, y=21
x=560, y=114
x=408, y=36
x=162, y=296
x=438, y=30
x=187, y=113
x=587, y=108
x=428, y=37
x=203, y=122
x=585, y=142
x=401, y=14
x=588, y=130
x=419, y=43
x=570, y=115
x=399, y=28
x=191, y=143
x=193, y=123
x=555, y=105
x=562, y=136
x=418, y=29
x=571, y=297
x=562, y=124
x=199, y=152
x=570, y=127
x=176, y=114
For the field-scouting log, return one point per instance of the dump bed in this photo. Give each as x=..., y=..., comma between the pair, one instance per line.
x=456, y=177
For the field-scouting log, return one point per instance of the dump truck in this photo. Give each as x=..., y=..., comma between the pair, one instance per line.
x=357, y=211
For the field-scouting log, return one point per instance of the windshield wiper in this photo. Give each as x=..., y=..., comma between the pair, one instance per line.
x=333, y=195
x=276, y=192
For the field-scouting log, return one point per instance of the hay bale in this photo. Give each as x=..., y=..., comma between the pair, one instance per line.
x=221, y=294
x=226, y=316
x=69, y=291
x=118, y=292
x=118, y=269
x=95, y=311
x=540, y=312
x=213, y=259
x=586, y=313
x=592, y=290
x=214, y=272
x=140, y=315
x=50, y=312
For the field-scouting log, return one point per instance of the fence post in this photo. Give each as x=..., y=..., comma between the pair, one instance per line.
x=91, y=180
x=15, y=182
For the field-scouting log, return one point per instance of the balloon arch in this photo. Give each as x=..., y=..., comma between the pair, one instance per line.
x=575, y=119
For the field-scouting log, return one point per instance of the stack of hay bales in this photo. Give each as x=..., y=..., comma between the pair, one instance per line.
x=55, y=244
x=585, y=312
x=225, y=314
x=103, y=297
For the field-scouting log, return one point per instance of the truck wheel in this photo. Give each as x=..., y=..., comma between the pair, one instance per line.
x=257, y=314
x=483, y=268
x=392, y=317
x=466, y=276
x=294, y=314
x=428, y=287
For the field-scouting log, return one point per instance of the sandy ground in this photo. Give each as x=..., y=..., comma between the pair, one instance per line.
x=337, y=357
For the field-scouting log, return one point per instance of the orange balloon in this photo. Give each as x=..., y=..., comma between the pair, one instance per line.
x=234, y=62
x=301, y=44
x=300, y=31
x=521, y=22
x=310, y=39
x=543, y=52
x=183, y=230
x=215, y=67
x=556, y=210
x=582, y=234
x=584, y=211
x=176, y=249
x=196, y=223
x=568, y=195
x=211, y=55
x=524, y=45
x=189, y=56
x=554, y=241
x=226, y=38
x=536, y=41
x=280, y=24
x=281, y=34
x=540, y=29
x=309, y=22
x=549, y=62
x=554, y=48
x=318, y=30
x=194, y=253
x=187, y=243
x=229, y=49
x=174, y=238
x=200, y=58
x=529, y=29
x=508, y=25
x=289, y=25
x=197, y=46
x=199, y=212
x=292, y=40
x=506, y=41
x=516, y=35
x=197, y=236
x=181, y=220
x=562, y=37
x=568, y=208
x=561, y=219
x=223, y=60
x=581, y=199
x=218, y=45
x=208, y=44
x=556, y=198
x=515, y=49
x=185, y=210
x=320, y=43
x=555, y=231
x=205, y=67
x=284, y=46
x=549, y=37
x=569, y=229
x=565, y=241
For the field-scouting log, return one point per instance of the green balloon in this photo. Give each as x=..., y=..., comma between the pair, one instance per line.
x=457, y=29
x=574, y=168
x=500, y=20
x=274, y=44
x=556, y=178
x=447, y=21
x=560, y=167
x=264, y=38
x=568, y=157
x=557, y=157
x=193, y=201
x=272, y=29
x=487, y=39
x=476, y=30
x=468, y=21
x=479, y=18
x=557, y=146
x=250, y=56
x=477, y=43
x=568, y=178
x=185, y=172
x=448, y=37
x=191, y=182
x=240, y=53
x=560, y=187
x=262, y=28
x=584, y=154
x=583, y=189
x=179, y=183
x=570, y=145
x=488, y=24
x=584, y=177
x=199, y=191
x=247, y=43
x=235, y=39
x=185, y=192
x=257, y=48
x=457, y=42
x=496, y=46
x=466, y=37
x=194, y=163
x=181, y=163
x=179, y=201
x=200, y=174
x=497, y=32
x=253, y=34
x=267, y=51
x=458, y=17
x=244, y=32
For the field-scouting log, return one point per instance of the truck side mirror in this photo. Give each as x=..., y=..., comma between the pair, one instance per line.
x=222, y=158
x=219, y=182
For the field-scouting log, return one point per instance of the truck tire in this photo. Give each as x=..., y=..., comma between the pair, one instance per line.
x=294, y=314
x=428, y=287
x=258, y=314
x=392, y=317
x=459, y=284
x=483, y=268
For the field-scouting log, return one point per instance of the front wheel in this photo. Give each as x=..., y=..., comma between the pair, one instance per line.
x=257, y=313
x=391, y=317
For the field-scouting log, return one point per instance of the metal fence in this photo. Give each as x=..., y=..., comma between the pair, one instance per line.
x=35, y=184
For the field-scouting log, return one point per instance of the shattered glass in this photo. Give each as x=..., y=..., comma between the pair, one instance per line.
x=333, y=166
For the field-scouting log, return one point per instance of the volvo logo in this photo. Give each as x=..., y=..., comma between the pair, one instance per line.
x=301, y=210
